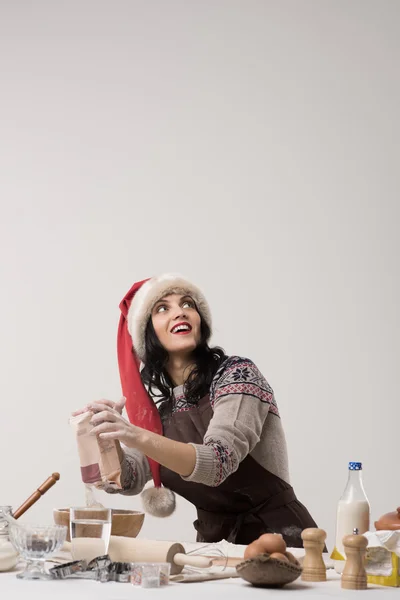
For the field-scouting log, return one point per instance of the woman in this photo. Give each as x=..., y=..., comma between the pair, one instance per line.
x=216, y=438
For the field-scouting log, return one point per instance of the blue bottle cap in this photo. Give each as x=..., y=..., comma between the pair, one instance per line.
x=355, y=466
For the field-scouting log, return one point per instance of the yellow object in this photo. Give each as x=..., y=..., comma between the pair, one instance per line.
x=336, y=555
x=381, y=563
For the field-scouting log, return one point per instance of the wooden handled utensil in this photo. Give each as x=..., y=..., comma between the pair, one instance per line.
x=123, y=549
x=42, y=489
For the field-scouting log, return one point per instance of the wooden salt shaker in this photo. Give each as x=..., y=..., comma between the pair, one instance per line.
x=313, y=565
x=354, y=576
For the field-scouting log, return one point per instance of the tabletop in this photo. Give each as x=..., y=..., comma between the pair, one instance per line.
x=236, y=588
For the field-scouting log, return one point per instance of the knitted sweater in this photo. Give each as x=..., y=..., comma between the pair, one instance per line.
x=245, y=421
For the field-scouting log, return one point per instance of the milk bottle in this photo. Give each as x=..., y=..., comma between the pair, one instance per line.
x=353, y=512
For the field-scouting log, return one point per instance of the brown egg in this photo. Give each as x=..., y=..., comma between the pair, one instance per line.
x=291, y=558
x=279, y=556
x=272, y=542
x=253, y=549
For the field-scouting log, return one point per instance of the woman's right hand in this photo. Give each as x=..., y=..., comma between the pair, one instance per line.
x=118, y=406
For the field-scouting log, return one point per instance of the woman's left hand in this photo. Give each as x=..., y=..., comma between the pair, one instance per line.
x=109, y=424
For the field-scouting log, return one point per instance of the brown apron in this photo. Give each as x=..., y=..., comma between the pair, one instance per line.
x=249, y=502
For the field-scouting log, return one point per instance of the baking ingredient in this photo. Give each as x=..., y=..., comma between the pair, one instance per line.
x=254, y=549
x=8, y=554
x=272, y=542
x=99, y=458
x=291, y=558
x=353, y=512
x=267, y=543
x=279, y=556
x=350, y=516
x=389, y=521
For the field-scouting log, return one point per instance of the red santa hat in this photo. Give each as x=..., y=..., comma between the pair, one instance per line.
x=136, y=310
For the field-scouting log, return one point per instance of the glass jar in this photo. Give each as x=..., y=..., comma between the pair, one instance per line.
x=8, y=554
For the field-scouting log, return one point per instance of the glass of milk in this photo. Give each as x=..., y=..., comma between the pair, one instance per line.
x=90, y=531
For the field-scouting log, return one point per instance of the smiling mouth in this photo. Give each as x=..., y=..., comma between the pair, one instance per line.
x=181, y=329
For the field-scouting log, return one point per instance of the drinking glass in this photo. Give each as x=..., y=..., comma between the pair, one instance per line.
x=90, y=530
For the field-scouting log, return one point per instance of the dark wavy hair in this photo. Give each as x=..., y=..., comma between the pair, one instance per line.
x=155, y=375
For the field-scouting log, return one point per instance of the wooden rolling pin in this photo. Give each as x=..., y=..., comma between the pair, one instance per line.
x=124, y=549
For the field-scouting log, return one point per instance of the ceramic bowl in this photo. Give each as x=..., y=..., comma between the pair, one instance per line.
x=126, y=523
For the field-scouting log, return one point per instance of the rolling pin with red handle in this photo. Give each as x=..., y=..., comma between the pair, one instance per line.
x=124, y=549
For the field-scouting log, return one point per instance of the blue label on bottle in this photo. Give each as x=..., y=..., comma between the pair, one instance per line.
x=355, y=466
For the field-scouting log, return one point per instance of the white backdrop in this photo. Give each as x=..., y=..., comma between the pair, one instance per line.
x=251, y=145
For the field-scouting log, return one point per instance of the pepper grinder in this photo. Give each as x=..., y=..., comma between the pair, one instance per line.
x=313, y=565
x=354, y=576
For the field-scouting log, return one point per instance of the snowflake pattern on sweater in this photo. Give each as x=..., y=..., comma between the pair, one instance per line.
x=242, y=401
x=235, y=376
x=227, y=462
x=239, y=375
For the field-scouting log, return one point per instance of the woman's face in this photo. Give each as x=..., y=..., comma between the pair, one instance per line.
x=177, y=323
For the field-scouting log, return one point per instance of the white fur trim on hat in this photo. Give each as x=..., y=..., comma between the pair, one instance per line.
x=151, y=292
